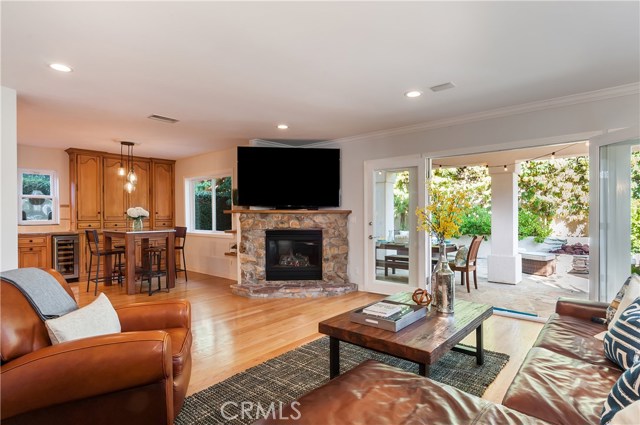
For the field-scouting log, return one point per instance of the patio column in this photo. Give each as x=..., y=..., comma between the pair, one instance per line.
x=504, y=263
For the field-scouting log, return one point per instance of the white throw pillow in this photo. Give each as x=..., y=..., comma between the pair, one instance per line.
x=97, y=318
x=630, y=415
x=600, y=336
x=633, y=292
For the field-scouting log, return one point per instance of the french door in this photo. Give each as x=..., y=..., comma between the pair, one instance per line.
x=394, y=250
x=611, y=199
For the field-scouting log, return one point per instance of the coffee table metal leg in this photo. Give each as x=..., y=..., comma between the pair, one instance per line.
x=479, y=346
x=334, y=357
x=423, y=369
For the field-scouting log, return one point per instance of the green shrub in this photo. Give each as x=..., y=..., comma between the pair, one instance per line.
x=477, y=221
x=530, y=224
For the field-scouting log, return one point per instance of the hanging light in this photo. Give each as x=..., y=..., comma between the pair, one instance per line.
x=553, y=155
x=130, y=184
x=121, y=170
x=505, y=168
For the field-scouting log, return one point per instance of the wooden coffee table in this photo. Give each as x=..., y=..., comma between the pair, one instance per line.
x=423, y=342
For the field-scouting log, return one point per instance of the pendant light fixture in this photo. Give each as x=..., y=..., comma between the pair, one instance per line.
x=121, y=169
x=130, y=184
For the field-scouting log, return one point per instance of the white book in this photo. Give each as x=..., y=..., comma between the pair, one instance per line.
x=382, y=309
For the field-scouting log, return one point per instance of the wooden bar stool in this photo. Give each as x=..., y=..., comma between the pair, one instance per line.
x=181, y=238
x=94, y=249
x=152, y=268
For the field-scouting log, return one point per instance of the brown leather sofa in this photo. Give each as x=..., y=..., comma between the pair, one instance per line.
x=564, y=379
x=139, y=376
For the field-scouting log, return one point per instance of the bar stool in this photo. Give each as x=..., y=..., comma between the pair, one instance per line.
x=152, y=268
x=180, y=239
x=94, y=249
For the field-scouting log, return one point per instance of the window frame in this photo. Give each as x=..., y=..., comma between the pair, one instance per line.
x=190, y=210
x=54, y=196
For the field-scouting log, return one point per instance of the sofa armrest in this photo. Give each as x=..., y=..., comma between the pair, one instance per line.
x=155, y=315
x=86, y=368
x=581, y=309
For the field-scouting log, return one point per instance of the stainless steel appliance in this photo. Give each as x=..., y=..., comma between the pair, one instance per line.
x=66, y=255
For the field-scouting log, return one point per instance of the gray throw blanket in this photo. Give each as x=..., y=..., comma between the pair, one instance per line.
x=43, y=291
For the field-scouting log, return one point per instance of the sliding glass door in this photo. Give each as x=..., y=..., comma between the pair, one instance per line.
x=615, y=199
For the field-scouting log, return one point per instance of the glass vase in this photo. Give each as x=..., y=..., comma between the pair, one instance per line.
x=136, y=224
x=443, y=283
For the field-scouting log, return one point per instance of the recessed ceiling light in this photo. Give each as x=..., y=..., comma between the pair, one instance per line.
x=283, y=126
x=60, y=67
x=413, y=93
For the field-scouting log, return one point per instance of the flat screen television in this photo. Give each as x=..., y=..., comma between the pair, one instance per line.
x=288, y=178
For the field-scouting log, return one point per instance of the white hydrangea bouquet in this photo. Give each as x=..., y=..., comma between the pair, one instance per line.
x=137, y=214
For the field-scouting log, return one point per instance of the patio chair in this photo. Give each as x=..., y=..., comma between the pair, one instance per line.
x=470, y=264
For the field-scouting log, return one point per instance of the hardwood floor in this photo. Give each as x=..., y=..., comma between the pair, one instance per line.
x=232, y=333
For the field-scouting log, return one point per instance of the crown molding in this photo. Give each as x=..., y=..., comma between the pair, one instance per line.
x=574, y=99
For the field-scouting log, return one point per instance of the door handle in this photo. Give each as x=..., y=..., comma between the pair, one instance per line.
x=370, y=237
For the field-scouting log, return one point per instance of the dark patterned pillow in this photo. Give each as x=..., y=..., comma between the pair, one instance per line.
x=611, y=310
x=622, y=342
x=623, y=394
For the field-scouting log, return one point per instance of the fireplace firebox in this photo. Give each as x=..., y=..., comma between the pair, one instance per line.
x=293, y=254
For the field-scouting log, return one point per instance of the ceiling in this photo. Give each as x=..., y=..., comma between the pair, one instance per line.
x=231, y=71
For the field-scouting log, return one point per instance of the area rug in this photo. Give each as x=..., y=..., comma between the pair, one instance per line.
x=292, y=374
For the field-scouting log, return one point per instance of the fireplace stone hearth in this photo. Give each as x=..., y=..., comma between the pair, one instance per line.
x=252, y=228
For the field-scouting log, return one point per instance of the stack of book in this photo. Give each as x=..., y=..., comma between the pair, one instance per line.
x=389, y=315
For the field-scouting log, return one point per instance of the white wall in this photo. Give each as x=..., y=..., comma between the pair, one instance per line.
x=205, y=253
x=49, y=159
x=9, y=174
x=538, y=127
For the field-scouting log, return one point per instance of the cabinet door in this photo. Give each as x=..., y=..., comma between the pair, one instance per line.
x=33, y=256
x=141, y=196
x=163, y=191
x=114, y=193
x=89, y=187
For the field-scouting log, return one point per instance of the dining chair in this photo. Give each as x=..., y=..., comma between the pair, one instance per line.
x=94, y=249
x=180, y=239
x=470, y=265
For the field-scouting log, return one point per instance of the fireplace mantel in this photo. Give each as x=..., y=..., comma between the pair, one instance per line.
x=252, y=225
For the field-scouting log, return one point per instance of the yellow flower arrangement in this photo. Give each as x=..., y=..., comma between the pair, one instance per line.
x=443, y=216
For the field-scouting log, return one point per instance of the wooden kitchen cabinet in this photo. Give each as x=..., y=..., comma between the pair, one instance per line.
x=141, y=197
x=88, y=187
x=98, y=199
x=34, y=251
x=114, y=193
x=163, y=194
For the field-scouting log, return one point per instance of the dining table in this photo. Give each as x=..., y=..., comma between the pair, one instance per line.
x=129, y=237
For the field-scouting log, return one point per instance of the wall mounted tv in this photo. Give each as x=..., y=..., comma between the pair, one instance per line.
x=288, y=178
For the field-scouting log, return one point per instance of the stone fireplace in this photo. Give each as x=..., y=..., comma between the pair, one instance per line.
x=310, y=247
x=293, y=254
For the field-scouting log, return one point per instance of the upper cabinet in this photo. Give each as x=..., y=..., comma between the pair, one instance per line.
x=88, y=187
x=98, y=197
x=114, y=195
x=163, y=193
x=141, y=196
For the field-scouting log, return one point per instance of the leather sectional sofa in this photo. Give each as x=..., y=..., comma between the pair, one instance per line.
x=565, y=379
x=139, y=376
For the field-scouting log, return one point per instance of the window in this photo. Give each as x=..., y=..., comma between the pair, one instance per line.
x=208, y=197
x=38, y=197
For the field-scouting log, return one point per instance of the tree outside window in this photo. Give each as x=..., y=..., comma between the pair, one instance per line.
x=210, y=196
x=38, y=197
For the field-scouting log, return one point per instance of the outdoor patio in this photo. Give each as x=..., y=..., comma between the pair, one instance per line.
x=534, y=294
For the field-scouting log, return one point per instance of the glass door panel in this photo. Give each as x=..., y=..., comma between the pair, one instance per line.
x=619, y=196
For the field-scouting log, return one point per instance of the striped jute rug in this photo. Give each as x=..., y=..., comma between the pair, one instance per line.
x=292, y=374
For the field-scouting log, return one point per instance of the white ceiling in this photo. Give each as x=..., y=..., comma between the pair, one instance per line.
x=231, y=71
